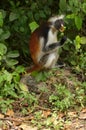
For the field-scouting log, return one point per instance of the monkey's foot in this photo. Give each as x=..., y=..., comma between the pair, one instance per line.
x=61, y=65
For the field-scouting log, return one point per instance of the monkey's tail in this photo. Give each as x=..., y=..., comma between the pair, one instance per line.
x=35, y=68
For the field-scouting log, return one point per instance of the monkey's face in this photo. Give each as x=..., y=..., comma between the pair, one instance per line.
x=59, y=25
x=57, y=22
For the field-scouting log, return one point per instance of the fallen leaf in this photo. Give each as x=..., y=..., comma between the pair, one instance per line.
x=46, y=113
x=1, y=116
x=82, y=116
x=16, y=123
x=61, y=115
x=67, y=127
x=72, y=114
x=47, y=129
x=10, y=112
x=84, y=110
x=26, y=127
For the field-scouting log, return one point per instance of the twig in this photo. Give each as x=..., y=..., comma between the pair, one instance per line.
x=19, y=119
x=42, y=108
x=11, y=119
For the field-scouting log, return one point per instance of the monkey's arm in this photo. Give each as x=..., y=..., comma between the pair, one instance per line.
x=54, y=46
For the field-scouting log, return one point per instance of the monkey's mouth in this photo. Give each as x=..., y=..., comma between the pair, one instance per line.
x=62, y=28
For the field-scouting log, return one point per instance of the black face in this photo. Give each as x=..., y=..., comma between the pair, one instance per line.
x=58, y=23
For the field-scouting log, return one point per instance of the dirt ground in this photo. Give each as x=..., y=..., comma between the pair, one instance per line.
x=71, y=119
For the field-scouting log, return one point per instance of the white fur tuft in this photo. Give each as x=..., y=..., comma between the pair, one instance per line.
x=60, y=17
x=54, y=18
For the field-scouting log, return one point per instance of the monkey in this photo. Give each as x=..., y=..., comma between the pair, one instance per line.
x=44, y=45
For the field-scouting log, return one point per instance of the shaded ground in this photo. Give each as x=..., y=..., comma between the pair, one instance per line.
x=42, y=116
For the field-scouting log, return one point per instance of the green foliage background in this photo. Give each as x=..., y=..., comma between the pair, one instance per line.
x=17, y=20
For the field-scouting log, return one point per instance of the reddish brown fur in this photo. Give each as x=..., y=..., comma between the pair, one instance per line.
x=34, y=46
x=35, y=51
x=35, y=68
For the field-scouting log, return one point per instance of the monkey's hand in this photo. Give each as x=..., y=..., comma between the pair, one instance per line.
x=52, y=47
x=63, y=39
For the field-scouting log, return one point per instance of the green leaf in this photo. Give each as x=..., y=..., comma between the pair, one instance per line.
x=73, y=4
x=78, y=39
x=3, y=13
x=1, y=31
x=23, y=87
x=13, y=94
x=78, y=22
x=33, y=26
x=83, y=40
x=11, y=62
x=16, y=78
x=70, y=16
x=73, y=62
x=3, y=49
x=1, y=19
x=63, y=5
x=77, y=42
x=20, y=69
x=13, y=16
x=39, y=76
x=22, y=29
x=7, y=76
x=42, y=14
x=13, y=54
x=5, y=35
x=84, y=7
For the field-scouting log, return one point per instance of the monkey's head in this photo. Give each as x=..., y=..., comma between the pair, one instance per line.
x=57, y=22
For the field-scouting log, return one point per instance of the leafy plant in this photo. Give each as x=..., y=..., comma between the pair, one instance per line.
x=19, y=16
x=7, y=59
x=17, y=20
x=5, y=104
x=77, y=9
x=79, y=41
x=41, y=76
x=9, y=73
x=62, y=99
x=75, y=48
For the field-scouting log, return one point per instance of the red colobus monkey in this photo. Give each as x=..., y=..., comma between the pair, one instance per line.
x=44, y=44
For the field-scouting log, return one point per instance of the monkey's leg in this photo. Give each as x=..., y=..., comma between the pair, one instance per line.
x=51, y=61
x=48, y=60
